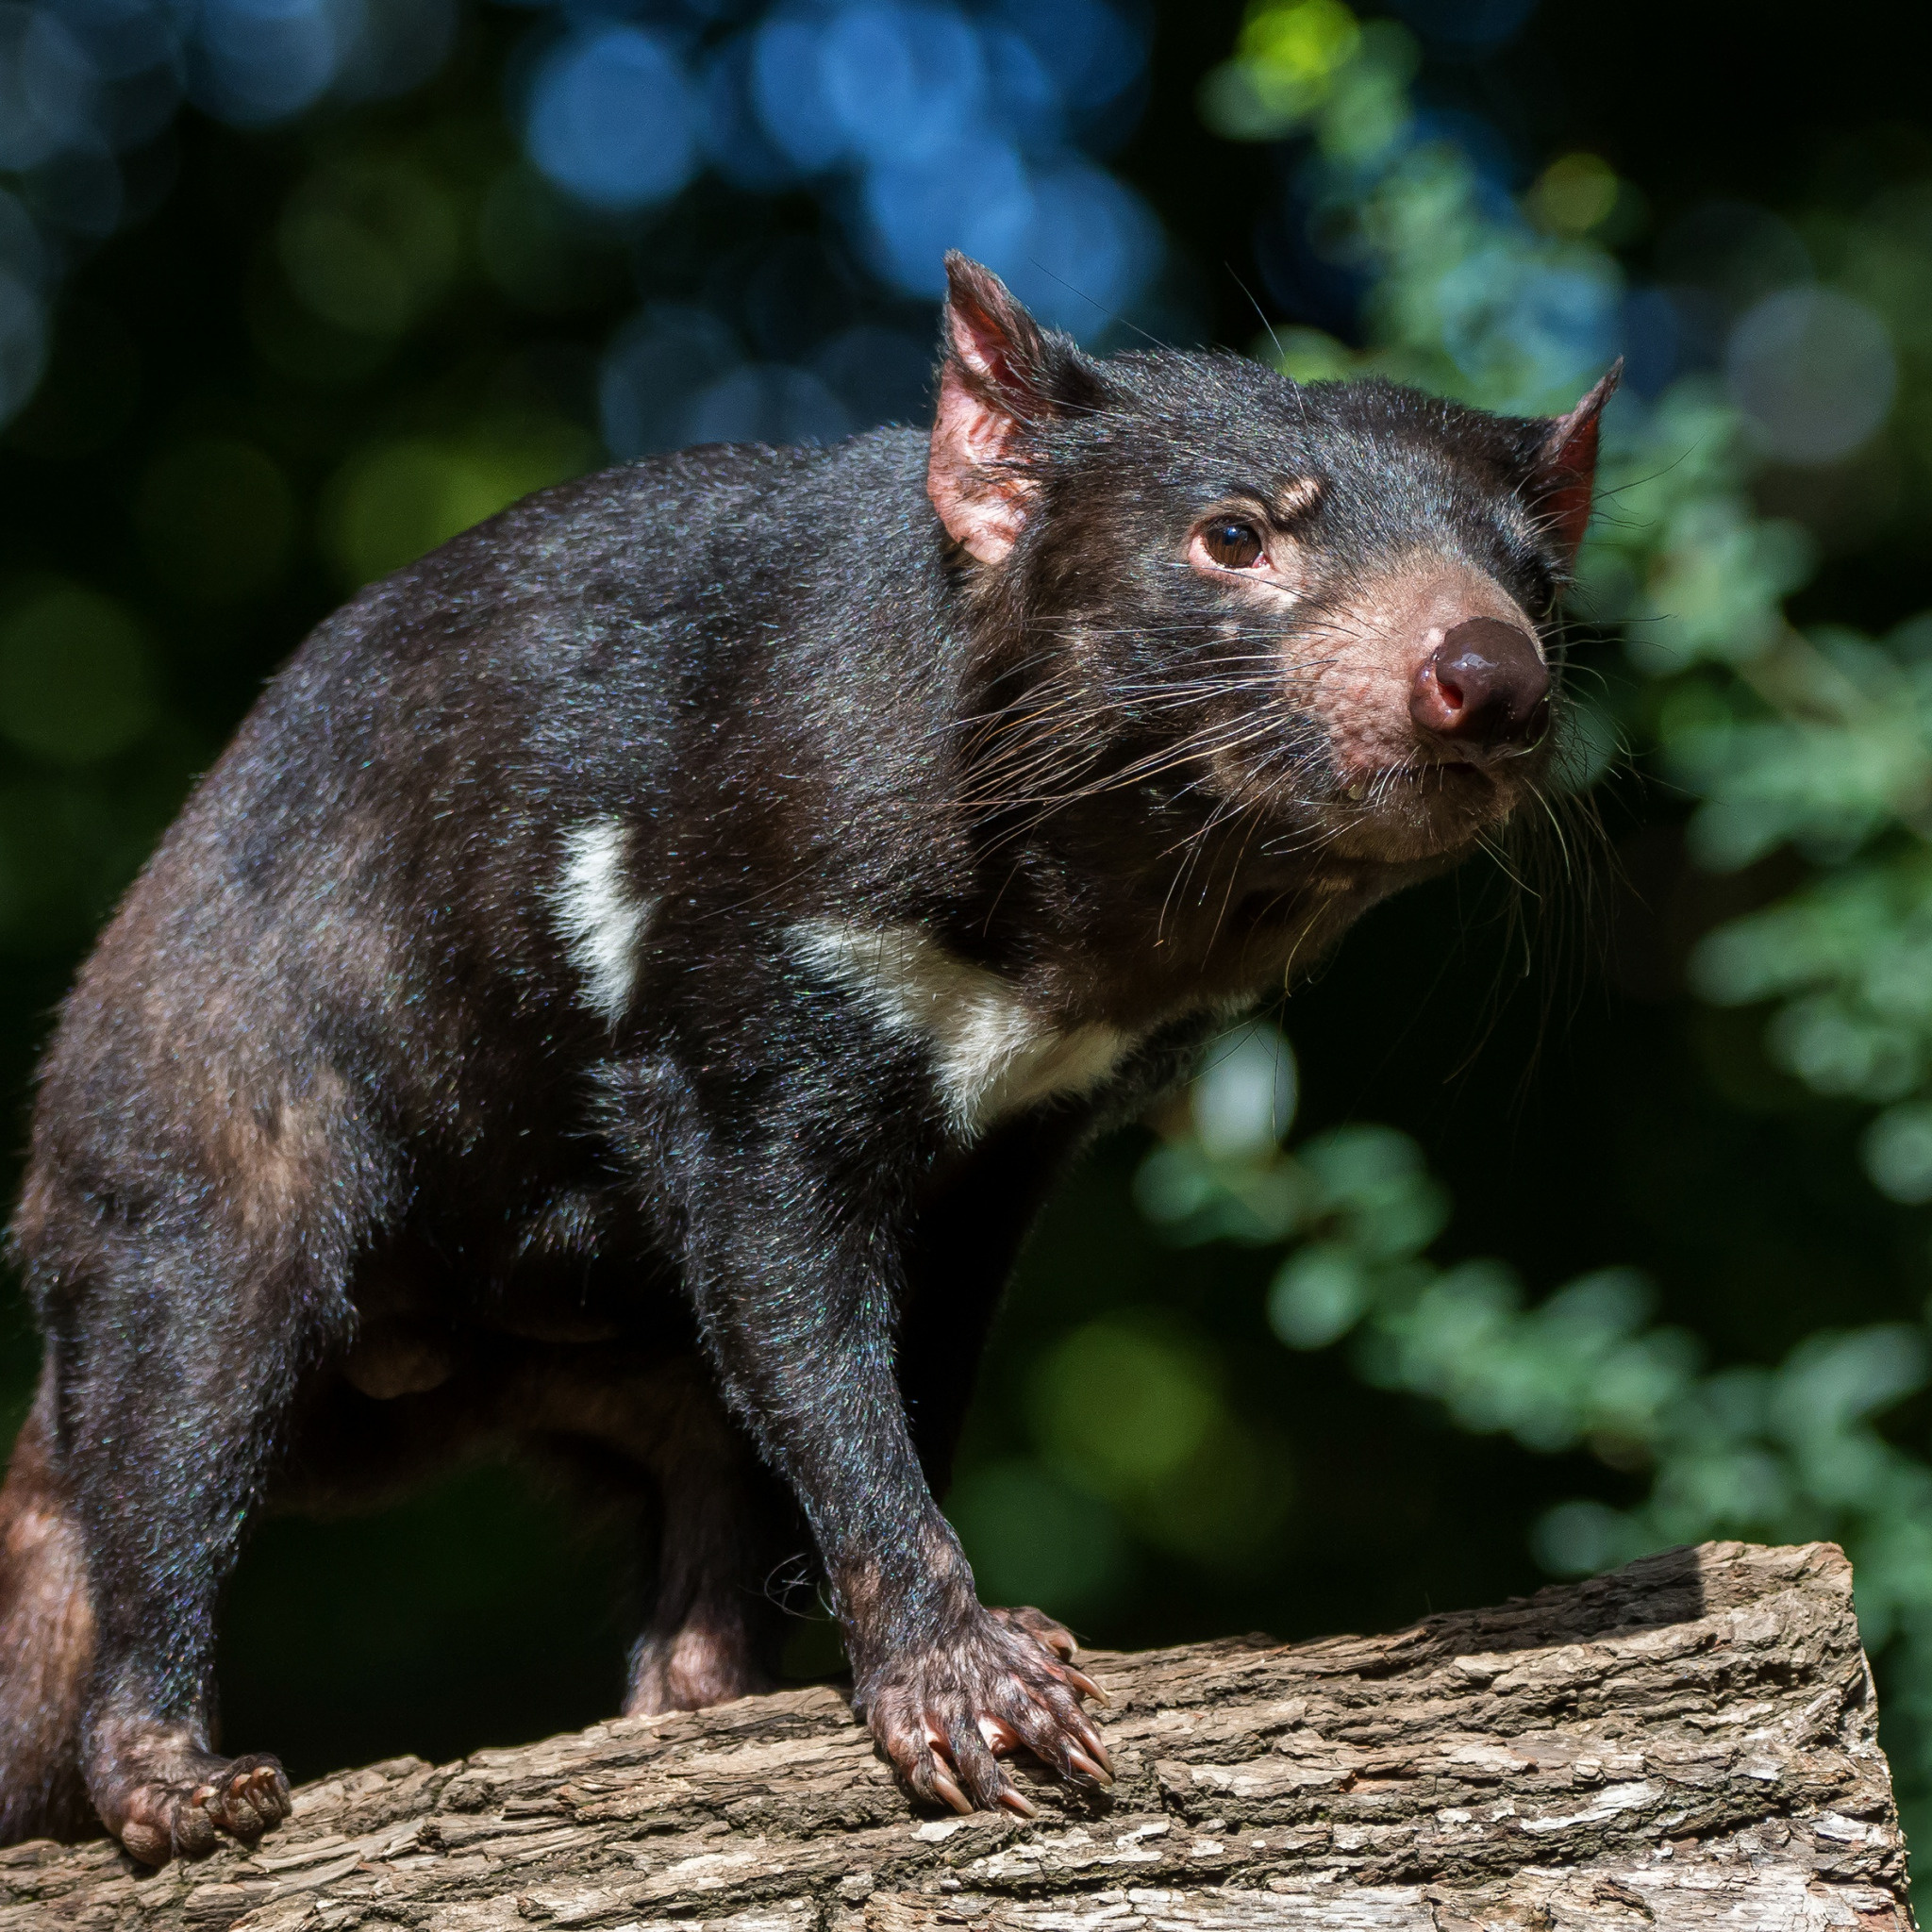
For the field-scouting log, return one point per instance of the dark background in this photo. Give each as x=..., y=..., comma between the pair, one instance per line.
x=1583, y=1113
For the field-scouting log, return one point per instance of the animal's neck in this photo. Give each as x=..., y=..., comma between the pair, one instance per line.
x=1107, y=924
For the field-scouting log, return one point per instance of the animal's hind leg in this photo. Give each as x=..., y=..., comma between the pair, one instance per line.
x=719, y=1529
x=715, y=1625
x=177, y=1374
x=46, y=1639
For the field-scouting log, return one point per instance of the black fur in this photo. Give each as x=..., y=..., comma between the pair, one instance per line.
x=337, y=1170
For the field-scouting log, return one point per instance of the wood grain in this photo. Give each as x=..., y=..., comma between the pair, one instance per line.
x=1690, y=1742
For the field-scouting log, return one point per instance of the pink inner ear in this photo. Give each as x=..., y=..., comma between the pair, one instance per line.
x=980, y=506
x=979, y=342
x=988, y=331
x=1566, y=471
x=1564, y=500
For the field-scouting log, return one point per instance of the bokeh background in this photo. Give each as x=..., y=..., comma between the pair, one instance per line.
x=1585, y=1205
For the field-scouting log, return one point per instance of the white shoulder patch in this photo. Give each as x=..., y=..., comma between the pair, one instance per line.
x=993, y=1053
x=601, y=920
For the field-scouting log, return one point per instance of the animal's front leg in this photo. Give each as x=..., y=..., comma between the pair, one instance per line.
x=795, y=1233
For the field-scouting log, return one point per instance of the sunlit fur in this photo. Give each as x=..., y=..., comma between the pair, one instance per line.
x=631, y=981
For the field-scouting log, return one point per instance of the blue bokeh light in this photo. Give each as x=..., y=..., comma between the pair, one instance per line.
x=122, y=39
x=396, y=46
x=614, y=119
x=47, y=89
x=880, y=374
x=738, y=141
x=84, y=82
x=976, y=196
x=657, y=361
x=765, y=402
x=23, y=254
x=1507, y=318
x=676, y=374
x=1094, y=52
x=920, y=125
x=903, y=83
x=1653, y=335
x=1076, y=245
x=789, y=92
x=1494, y=164
x=1091, y=247
x=953, y=131
x=1024, y=99
x=259, y=61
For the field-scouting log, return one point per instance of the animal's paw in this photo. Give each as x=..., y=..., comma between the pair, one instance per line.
x=1003, y=1681
x=185, y=1818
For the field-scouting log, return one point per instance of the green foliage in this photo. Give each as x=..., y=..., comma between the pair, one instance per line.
x=1815, y=745
x=1821, y=743
x=1784, y=1454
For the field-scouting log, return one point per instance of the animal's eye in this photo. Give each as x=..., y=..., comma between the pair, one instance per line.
x=1233, y=544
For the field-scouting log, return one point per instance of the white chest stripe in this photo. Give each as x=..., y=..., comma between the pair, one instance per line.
x=993, y=1053
x=600, y=919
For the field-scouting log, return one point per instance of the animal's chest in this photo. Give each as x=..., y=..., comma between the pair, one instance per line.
x=993, y=1050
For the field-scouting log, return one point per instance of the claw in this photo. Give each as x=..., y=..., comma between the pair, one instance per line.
x=1090, y=1739
x=1080, y=1761
x=1051, y=1637
x=943, y=1785
x=1085, y=1685
x=1016, y=1802
x=1000, y=1736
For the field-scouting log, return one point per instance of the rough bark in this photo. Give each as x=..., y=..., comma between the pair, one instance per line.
x=1690, y=1742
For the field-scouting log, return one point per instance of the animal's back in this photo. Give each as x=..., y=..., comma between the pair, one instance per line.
x=365, y=881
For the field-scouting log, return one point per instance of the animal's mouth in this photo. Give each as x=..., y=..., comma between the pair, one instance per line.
x=1421, y=809
x=1451, y=777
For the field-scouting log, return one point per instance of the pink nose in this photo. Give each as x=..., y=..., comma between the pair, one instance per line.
x=1485, y=684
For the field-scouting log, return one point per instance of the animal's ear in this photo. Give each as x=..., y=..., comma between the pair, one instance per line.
x=1563, y=467
x=1001, y=380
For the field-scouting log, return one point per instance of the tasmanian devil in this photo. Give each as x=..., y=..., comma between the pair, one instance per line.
x=630, y=984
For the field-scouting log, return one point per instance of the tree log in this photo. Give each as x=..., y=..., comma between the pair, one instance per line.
x=1690, y=1742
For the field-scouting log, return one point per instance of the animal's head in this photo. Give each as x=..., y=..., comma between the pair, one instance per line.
x=1316, y=611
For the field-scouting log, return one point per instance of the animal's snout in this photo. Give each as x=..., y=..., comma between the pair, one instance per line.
x=1485, y=686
